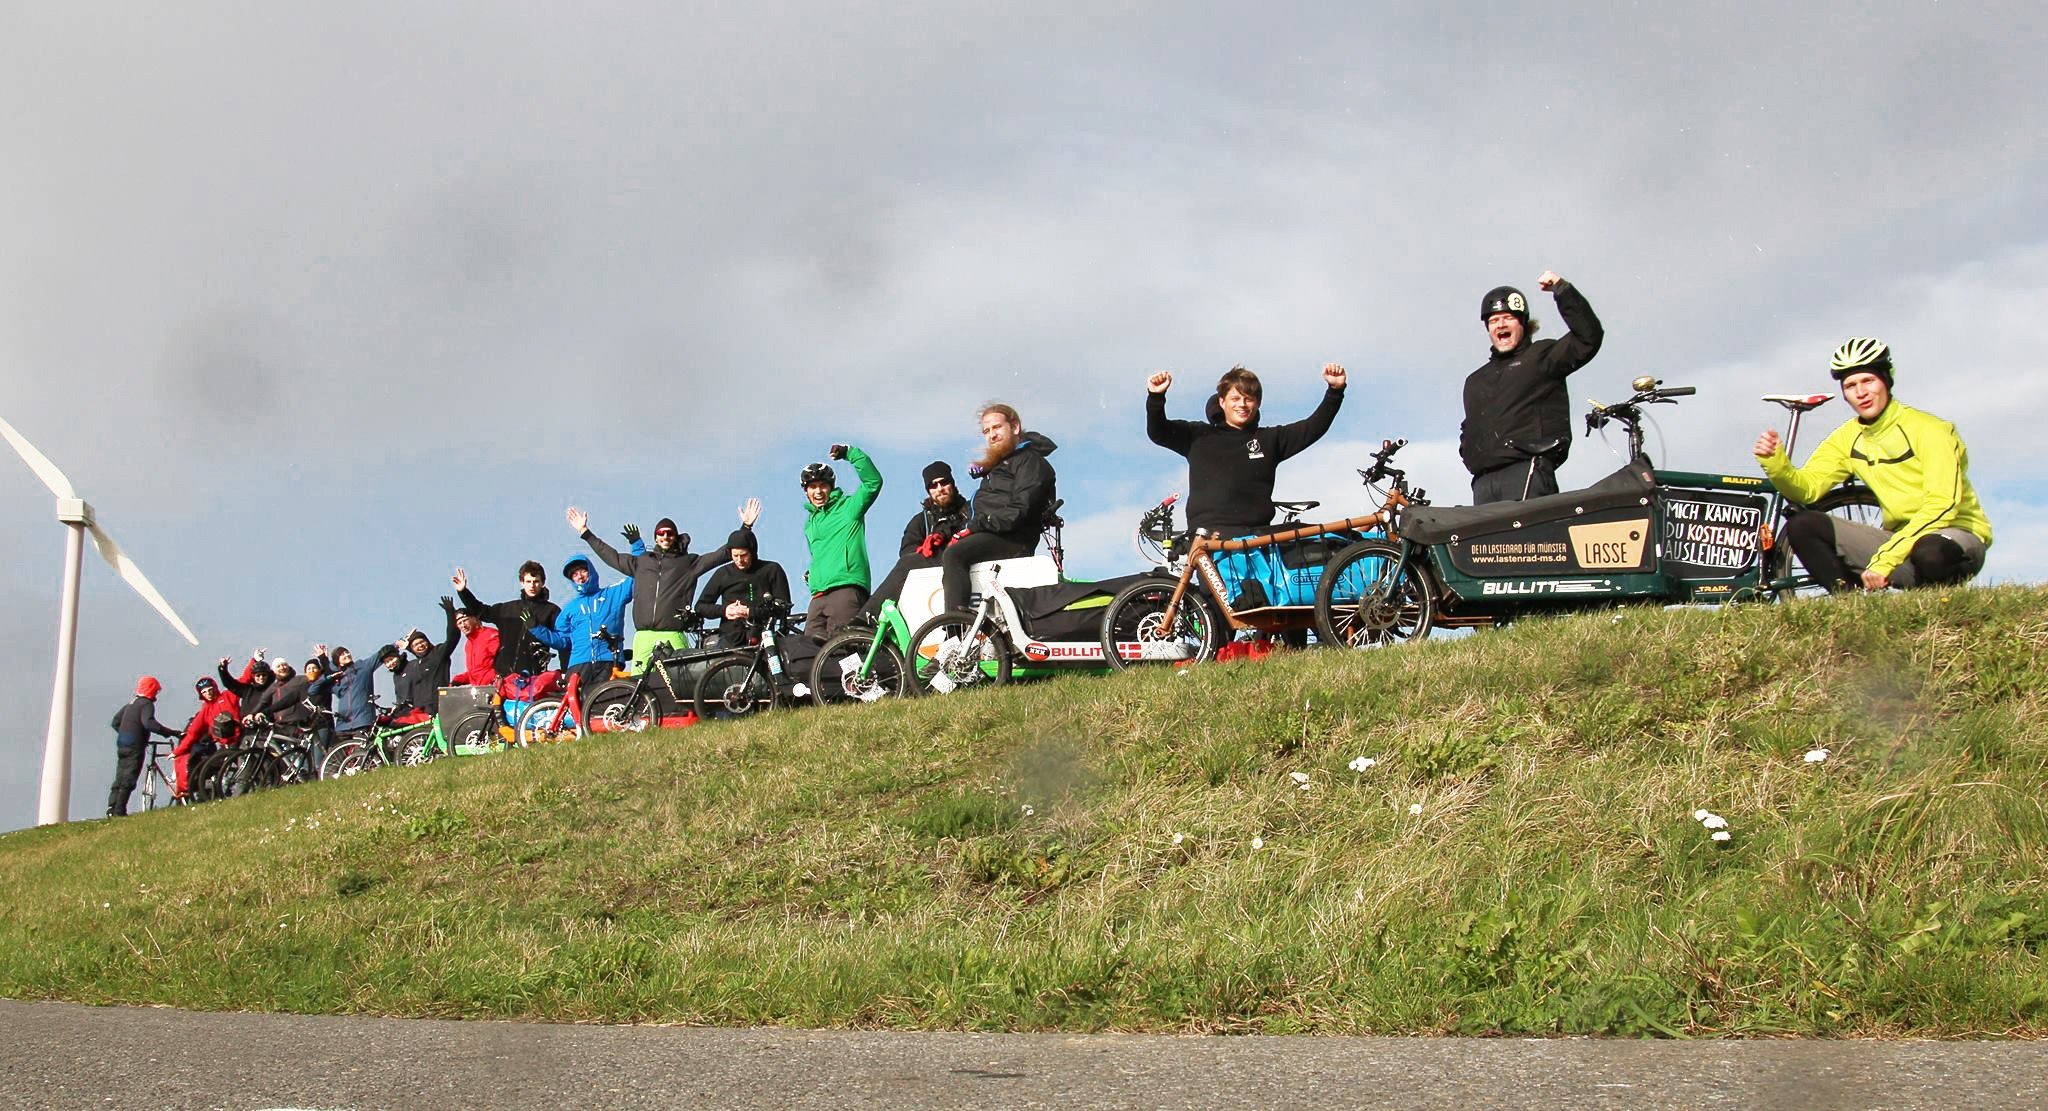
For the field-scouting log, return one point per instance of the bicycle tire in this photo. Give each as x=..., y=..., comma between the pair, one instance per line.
x=417, y=748
x=1854, y=504
x=477, y=728
x=833, y=683
x=538, y=726
x=986, y=662
x=1133, y=634
x=1372, y=595
x=620, y=706
x=736, y=686
x=331, y=765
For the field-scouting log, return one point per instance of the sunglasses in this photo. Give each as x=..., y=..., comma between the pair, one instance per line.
x=938, y=482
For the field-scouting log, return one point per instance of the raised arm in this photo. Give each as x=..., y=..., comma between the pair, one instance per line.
x=1577, y=346
x=1293, y=439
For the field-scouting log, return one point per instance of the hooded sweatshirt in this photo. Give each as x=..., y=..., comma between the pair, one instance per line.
x=1231, y=470
x=134, y=722
x=591, y=622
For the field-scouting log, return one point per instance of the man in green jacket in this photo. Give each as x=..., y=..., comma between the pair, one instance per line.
x=836, y=530
x=1934, y=530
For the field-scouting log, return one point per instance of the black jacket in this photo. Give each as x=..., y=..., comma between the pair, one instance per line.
x=420, y=679
x=251, y=697
x=1014, y=495
x=1520, y=396
x=517, y=652
x=287, y=702
x=1231, y=470
x=663, y=582
x=931, y=519
x=134, y=723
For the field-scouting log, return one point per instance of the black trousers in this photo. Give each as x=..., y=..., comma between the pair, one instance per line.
x=1507, y=483
x=979, y=547
x=127, y=769
x=1936, y=560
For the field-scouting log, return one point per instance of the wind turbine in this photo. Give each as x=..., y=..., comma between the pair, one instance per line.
x=74, y=513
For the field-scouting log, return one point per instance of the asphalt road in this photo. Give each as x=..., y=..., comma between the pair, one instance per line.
x=63, y=1056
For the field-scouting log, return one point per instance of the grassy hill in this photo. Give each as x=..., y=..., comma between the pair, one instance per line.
x=1172, y=852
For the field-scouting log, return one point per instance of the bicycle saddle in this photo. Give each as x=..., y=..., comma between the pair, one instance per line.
x=1536, y=447
x=1799, y=404
x=1295, y=506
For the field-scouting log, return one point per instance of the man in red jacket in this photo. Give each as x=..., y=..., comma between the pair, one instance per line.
x=479, y=651
x=197, y=740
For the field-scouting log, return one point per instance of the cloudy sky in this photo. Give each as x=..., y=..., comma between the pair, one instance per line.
x=317, y=302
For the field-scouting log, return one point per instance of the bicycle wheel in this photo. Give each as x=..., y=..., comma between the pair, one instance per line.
x=1134, y=631
x=734, y=687
x=477, y=729
x=1783, y=575
x=417, y=747
x=621, y=707
x=944, y=659
x=836, y=675
x=205, y=779
x=1370, y=595
x=336, y=762
x=539, y=724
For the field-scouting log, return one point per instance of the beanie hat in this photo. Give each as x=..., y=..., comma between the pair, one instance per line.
x=279, y=663
x=936, y=470
x=147, y=687
x=743, y=538
x=388, y=652
x=668, y=524
x=1507, y=299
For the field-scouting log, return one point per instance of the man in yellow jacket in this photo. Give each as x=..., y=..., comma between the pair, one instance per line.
x=1934, y=529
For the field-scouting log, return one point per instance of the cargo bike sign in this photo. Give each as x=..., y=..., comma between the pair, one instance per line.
x=1709, y=535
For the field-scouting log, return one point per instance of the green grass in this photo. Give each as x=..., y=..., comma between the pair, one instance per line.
x=1080, y=854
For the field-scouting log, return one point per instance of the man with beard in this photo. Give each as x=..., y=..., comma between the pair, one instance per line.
x=1518, y=421
x=1018, y=486
x=737, y=593
x=929, y=530
x=517, y=652
x=664, y=581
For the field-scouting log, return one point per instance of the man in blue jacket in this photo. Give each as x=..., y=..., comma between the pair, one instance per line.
x=354, y=686
x=592, y=625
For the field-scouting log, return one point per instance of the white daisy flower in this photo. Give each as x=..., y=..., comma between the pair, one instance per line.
x=1298, y=777
x=1258, y=843
x=1722, y=835
x=1362, y=763
x=1414, y=808
x=1702, y=815
x=1179, y=837
x=1714, y=821
x=1817, y=756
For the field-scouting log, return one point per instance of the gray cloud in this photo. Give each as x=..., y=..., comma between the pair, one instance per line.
x=316, y=303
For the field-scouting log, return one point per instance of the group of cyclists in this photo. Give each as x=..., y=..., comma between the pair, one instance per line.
x=1515, y=433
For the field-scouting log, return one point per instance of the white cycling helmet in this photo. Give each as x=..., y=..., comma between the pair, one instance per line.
x=1864, y=354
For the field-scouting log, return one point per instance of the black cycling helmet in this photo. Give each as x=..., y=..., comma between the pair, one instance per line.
x=1507, y=299
x=815, y=473
x=1862, y=355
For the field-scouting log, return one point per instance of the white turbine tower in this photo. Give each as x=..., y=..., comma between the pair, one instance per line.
x=73, y=512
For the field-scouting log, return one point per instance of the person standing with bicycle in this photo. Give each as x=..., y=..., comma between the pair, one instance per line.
x=592, y=627
x=133, y=725
x=1018, y=487
x=664, y=581
x=1518, y=420
x=1934, y=530
x=1233, y=460
x=836, y=532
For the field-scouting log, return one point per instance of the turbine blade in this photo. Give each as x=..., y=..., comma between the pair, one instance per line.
x=125, y=567
x=38, y=462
